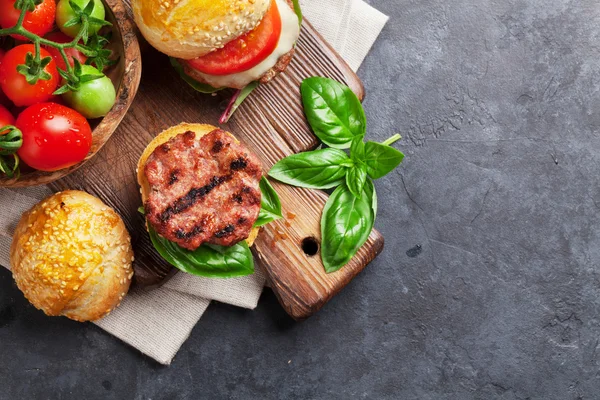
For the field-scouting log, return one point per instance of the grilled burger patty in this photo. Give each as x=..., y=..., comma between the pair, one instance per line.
x=203, y=191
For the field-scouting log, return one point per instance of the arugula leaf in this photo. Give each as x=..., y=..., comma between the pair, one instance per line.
x=298, y=10
x=208, y=260
x=270, y=205
x=381, y=159
x=346, y=224
x=318, y=169
x=356, y=179
x=236, y=101
x=333, y=111
x=200, y=87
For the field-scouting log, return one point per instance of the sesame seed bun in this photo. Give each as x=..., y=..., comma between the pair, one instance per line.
x=163, y=137
x=193, y=28
x=71, y=256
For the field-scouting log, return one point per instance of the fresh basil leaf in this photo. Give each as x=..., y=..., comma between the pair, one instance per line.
x=356, y=179
x=357, y=149
x=346, y=224
x=318, y=169
x=333, y=111
x=270, y=205
x=236, y=101
x=381, y=159
x=208, y=260
x=298, y=10
x=200, y=87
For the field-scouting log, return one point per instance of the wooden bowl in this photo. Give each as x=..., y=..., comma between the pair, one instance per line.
x=125, y=75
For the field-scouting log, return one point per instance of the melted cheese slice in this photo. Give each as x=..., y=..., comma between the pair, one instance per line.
x=290, y=31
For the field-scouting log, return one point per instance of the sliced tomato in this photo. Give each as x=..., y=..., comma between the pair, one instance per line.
x=60, y=37
x=245, y=52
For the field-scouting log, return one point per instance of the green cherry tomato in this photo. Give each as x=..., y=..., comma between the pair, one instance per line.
x=64, y=13
x=95, y=98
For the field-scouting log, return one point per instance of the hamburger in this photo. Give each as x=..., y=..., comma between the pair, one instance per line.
x=219, y=44
x=71, y=256
x=202, y=193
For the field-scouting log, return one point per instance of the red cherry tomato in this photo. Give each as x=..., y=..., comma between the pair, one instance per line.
x=60, y=37
x=6, y=118
x=4, y=101
x=246, y=51
x=39, y=21
x=15, y=86
x=54, y=136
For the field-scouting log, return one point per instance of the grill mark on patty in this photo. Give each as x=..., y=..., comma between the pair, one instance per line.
x=228, y=230
x=191, y=198
x=238, y=164
x=181, y=234
x=217, y=147
x=173, y=177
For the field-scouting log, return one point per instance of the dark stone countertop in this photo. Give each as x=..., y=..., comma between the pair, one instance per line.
x=499, y=105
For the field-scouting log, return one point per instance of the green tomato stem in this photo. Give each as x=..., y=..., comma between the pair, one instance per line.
x=392, y=140
x=38, y=40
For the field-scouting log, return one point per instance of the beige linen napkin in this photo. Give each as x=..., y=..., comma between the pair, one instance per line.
x=157, y=322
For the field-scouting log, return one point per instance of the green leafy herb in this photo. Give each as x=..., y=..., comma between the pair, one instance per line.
x=319, y=169
x=236, y=101
x=208, y=260
x=356, y=179
x=338, y=119
x=298, y=10
x=381, y=159
x=333, y=111
x=346, y=224
x=199, y=87
x=270, y=205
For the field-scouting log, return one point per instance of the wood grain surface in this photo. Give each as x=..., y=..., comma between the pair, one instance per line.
x=272, y=124
x=125, y=75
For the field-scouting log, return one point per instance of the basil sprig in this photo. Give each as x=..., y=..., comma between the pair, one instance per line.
x=211, y=261
x=338, y=119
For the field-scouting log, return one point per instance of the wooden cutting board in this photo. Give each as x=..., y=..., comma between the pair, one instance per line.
x=272, y=124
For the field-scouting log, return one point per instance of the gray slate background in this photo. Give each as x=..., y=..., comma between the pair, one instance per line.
x=499, y=105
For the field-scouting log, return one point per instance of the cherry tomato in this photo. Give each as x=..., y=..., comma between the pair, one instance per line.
x=60, y=37
x=64, y=13
x=244, y=52
x=54, y=136
x=95, y=98
x=4, y=101
x=39, y=21
x=14, y=84
x=6, y=118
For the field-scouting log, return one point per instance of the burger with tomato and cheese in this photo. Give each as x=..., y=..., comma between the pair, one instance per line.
x=218, y=44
